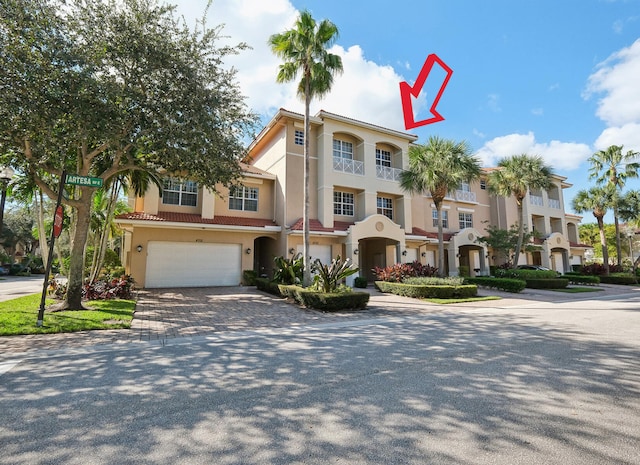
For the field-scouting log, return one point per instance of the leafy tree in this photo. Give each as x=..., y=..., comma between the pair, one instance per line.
x=613, y=168
x=18, y=229
x=503, y=242
x=438, y=167
x=107, y=87
x=304, y=51
x=597, y=200
x=515, y=176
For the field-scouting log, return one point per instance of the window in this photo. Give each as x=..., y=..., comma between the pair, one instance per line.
x=385, y=207
x=445, y=218
x=464, y=187
x=298, y=137
x=176, y=192
x=466, y=220
x=243, y=198
x=342, y=149
x=383, y=158
x=343, y=203
x=483, y=184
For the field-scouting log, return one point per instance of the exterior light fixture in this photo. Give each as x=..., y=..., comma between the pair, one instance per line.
x=248, y=251
x=139, y=248
x=356, y=251
x=292, y=250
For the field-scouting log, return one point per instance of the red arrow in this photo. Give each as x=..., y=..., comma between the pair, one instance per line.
x=406, y=91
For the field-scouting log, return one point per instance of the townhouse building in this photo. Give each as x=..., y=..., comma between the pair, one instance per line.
x=191, y=237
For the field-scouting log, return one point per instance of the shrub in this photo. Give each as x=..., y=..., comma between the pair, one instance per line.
x=325, y=301
x=288, y=270
x=503, y=284
x=361, y=282
x=266, y=285
x=436, y=281
x=329, y=276
x=463, y=270
x=582, y=279
x=428, y=291
x=618, y=278
x=249, y=277
x=398, y=272
x=117, y=288
x=525, y=274
x=546, y=283
x=599, y=270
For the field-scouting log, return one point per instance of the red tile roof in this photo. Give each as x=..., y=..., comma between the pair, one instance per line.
x=197, y=219
x=580, y=246
x=430, y=235
x=316, y=225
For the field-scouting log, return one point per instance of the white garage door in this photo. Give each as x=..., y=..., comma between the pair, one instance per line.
x=193, y=264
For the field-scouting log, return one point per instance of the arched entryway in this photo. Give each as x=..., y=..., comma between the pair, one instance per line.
x=265, y=250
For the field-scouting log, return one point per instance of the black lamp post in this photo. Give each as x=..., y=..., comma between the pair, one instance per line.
x=6, y=173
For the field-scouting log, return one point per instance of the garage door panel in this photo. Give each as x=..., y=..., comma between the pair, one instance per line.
x=189, y=264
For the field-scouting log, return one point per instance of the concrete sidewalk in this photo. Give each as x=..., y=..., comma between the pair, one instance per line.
x=164, y=314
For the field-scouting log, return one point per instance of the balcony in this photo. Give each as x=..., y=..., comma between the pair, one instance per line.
x=347, y=165
x=554, y=203
x=536, y=200
x=387, y=173
x=465, y=196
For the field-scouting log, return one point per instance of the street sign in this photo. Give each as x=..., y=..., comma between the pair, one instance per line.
x=83, y=180
x=57, y=221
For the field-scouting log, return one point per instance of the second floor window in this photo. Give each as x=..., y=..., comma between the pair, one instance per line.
x=342, y=149
x=483, y=185
x=343, y=203
x=298, y=137
x=445, y=218
x=243, y=198
x=176, y=192
x=466, y=220
x=383, y=158
x=385, y=207
x=464, y=187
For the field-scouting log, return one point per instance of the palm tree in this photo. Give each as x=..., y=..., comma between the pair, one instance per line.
x=515, y=176
x=439, y=166
x=613, y=168
x=596, y=200
x=304, y=50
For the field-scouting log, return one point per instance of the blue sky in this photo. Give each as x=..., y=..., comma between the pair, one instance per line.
x=560, y=79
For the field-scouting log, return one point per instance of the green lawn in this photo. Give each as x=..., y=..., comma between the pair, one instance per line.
x=459, y=301
x=577, y=289
x=19, y=316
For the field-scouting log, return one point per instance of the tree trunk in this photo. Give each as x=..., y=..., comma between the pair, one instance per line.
x=441, y=272
x=73, y=300
x=306, y=277
x=520, y=234
x=42, y=233
x=618, y=245
x=603, y=242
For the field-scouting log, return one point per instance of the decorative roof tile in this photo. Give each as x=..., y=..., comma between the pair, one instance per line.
x=174, y=217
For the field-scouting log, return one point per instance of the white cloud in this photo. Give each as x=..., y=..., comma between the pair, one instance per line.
x=366, y=90
x=537, y=111
x=559, y=155
x=617, y=78
x=493, y=102
x=479, y=134
x=627, y=135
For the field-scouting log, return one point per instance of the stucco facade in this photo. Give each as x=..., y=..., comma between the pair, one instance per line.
x=357, y=208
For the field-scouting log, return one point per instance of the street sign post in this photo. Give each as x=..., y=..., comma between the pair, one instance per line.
x=88, y=181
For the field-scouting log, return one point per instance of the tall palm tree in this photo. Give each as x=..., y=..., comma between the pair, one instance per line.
x=612, y=167
x=438, y=167
x=596, y=200
x=304, y=51
x=515, y=176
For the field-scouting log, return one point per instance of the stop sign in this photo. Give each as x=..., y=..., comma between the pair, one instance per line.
x=57, y=221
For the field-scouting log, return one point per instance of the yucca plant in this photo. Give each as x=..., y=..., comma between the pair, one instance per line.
x=288, y=270
x=328, y=277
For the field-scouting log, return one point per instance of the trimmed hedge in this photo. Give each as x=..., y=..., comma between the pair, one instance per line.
x=428, y=292
x=625, y=279
x=557, y=283
x=582, y=279
x=503, y=284
x=266, y=285
x=325, y=301
x=525, y=274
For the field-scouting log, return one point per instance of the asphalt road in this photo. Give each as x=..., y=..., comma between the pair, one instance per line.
x=12, y=287
x=540, y=384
